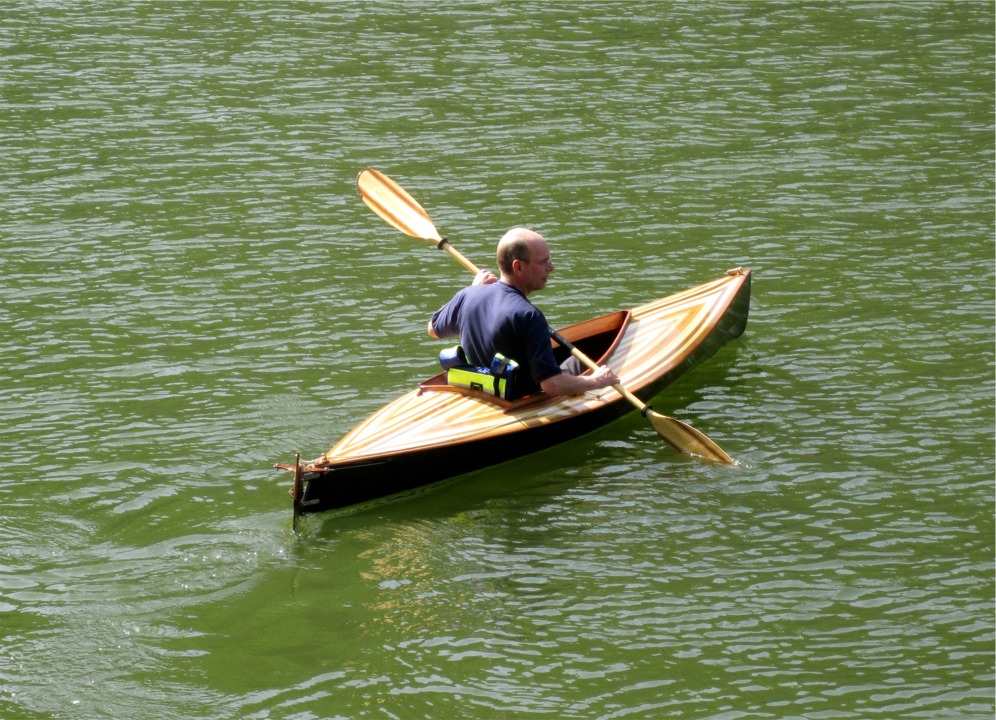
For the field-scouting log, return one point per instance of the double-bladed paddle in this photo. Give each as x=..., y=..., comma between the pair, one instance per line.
x=397, y=208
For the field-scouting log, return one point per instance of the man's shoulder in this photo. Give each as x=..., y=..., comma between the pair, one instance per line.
x=501, y=300
x=498, y=292
x=514, y=299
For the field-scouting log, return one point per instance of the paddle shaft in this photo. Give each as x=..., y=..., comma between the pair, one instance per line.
x=458, y=256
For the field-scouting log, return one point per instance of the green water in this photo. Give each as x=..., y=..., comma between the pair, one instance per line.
x=191, y=290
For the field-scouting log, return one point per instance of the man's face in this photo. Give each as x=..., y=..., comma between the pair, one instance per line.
x=535, y=271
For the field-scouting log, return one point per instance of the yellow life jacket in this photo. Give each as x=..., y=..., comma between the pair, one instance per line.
x=495, y=380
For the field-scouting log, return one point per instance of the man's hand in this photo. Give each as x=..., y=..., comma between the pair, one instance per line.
x=484, y=277
x=566, y=384
x=604, y=377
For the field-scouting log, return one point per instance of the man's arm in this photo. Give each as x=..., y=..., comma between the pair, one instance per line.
x=483, y=277
x=566, y=384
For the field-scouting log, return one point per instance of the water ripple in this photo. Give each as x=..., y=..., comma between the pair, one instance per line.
x=191, y=291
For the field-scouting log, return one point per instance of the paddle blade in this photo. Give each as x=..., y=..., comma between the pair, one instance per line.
x=395, y=206
x=686, y=439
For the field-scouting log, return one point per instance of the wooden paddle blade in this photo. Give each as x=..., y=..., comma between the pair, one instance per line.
x=395, y=206
x=686, y=439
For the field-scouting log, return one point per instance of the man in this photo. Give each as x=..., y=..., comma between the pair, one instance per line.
x=493, y=316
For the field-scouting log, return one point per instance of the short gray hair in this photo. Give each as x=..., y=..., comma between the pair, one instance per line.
x=514, y=245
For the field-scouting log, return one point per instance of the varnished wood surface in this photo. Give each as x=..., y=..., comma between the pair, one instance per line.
x=657, y=338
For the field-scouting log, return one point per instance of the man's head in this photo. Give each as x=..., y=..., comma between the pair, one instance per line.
x=524, y=259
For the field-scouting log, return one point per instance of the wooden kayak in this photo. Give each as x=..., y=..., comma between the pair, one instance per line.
x=438, y=431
